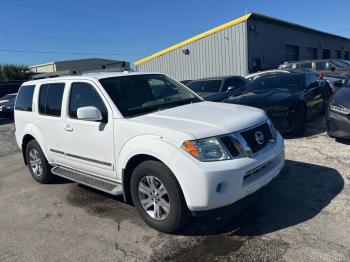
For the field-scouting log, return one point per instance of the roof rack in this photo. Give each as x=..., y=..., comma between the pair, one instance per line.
x=76, y=72
x=55, y=74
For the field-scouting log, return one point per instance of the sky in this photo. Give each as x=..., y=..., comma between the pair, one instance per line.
x=35, y=32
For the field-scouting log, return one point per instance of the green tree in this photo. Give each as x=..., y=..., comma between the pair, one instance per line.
x=10, y=72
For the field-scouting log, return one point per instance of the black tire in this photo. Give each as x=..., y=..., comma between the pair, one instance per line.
x=45, y=176
x=299, y=125
x=178, y=214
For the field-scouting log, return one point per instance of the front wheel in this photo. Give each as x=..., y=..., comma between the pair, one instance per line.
x=157, y=197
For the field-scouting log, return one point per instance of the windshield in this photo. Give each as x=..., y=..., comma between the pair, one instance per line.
x=8, y=97
x=283, y=81
x=141, y=94
x=205, y=86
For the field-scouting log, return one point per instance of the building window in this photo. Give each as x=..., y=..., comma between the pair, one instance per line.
x=311, y=53
x=292, y=53
x=347, y=55
x=326, y=54
x=337, y=54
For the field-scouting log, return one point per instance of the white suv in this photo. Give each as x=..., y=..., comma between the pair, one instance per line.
x=149, y=138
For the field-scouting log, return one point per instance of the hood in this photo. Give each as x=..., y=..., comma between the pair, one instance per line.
x=342, y=97
x=263, y=99
x=204, y=119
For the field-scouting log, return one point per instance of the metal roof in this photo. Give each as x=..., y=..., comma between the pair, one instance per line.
x=195, y=38
x=227, y=25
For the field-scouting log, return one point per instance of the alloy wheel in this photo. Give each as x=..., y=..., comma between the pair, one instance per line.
x=154, y=197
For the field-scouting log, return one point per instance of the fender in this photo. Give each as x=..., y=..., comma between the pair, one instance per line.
x=37, y=134
x=154, y=146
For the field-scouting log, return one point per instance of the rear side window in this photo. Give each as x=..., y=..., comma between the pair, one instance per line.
x=83, y=94
x=25, y=98
x=50, y=99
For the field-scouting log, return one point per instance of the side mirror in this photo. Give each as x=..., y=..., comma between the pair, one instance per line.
x=89, y=113
x=333, y=68
x=230, y=88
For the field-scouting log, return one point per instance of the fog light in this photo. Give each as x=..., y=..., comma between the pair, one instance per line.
x=218, y=187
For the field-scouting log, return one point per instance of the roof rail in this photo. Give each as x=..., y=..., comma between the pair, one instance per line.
x=55, y=74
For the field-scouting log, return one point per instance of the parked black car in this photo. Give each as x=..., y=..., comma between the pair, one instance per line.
x=216, y=88
x=338, y=114
x=7, y=108
x=288, y=99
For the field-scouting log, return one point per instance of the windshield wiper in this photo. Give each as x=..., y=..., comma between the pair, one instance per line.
x=144, y=110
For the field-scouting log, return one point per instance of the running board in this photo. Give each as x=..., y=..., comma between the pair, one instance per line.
x=88, y=180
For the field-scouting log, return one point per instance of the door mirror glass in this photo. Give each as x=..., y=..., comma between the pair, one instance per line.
x=89, y=113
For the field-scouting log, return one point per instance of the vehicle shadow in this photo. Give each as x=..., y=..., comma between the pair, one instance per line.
x=5, y=121
x=298, y=194
x=314, y=127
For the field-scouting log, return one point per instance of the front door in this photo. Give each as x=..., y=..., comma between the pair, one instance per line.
x=89, y=145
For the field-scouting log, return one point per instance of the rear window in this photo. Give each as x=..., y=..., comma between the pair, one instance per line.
x=24, y=99
x=50, y=99
x=206, y=86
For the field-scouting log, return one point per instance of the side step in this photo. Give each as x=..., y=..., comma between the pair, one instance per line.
x=88, y=180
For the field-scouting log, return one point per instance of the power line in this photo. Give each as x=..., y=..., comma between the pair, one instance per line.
x=72, y=38
x=85, y=15
x=69, y=53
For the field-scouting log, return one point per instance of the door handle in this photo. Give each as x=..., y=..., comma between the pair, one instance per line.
x=68, y=128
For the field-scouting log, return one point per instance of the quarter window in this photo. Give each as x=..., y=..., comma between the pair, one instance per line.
x=24, y=99
x=50, y=99
x=83, y=94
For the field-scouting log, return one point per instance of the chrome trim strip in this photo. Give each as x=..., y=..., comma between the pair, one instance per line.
x=89, y=159
x=57, y=151
x=81, y=157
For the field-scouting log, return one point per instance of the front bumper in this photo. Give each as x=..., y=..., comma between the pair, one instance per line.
x=238, y=177
x=337, y=125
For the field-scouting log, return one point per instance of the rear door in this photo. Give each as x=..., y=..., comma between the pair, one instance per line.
x=88, y=145
x=49, y=118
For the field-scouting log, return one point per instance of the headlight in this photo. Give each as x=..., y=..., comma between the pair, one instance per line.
x=207, y=149
x=340, y=109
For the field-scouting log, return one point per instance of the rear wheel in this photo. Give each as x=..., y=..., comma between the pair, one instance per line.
x=299, y=125
x=37, y=163
x=158, y=197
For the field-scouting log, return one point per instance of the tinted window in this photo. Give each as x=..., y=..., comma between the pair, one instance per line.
x=323, y=66
x=211, y=86
x=25, y=98
x=195, y=86
x=50, y=99
x=306, y=65
x=311, y=80
x=141, y=94
x=83, y=94
x=284, y=81
x=235, y=82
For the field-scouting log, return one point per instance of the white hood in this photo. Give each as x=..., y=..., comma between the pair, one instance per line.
x=205, y=119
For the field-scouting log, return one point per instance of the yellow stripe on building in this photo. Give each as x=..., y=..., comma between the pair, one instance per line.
x=195, y=38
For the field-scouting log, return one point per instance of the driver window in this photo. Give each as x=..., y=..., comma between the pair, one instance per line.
x=84, y=94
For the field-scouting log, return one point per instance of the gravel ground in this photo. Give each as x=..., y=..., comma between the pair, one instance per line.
x=302, y=215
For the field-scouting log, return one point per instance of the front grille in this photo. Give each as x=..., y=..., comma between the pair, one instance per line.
x=229, y=145
x=252, y=142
